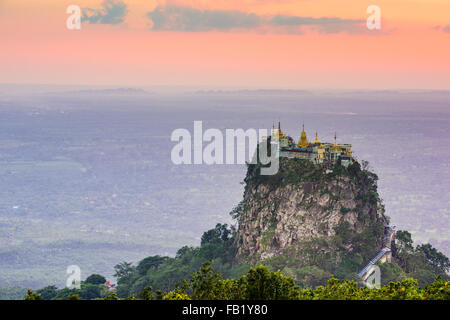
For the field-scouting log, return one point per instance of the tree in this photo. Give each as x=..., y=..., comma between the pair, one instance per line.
x=95, y=279
x=48, y=293
x=262, y=284
x=65, y=293
x=203, y=282
x=112, y=296
x=403, y=248
x=237, y=211
x=32, y=296
x=438, y=290
x=139, y=285
x=147, y=293
x=312, y=276
x=391, y=272
x=150, y=262
x=438, y=261
x=354, y=169
x=423, y=276
x=220, y=233
x=123, y=269
x=404, y=239
x=90, y=291
x=365, y=165
x=126, y=274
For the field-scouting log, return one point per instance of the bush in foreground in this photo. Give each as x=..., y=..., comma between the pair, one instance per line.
x=262, y=284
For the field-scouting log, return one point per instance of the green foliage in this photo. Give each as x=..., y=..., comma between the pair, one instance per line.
x=126, y=275
x=123, y=269
x=163, y=273
x=32, y=296
x=113, y=296
x=175, y=296
x=147, y=293
x=343, y=230
x=291, y=171
x=87, y=291
x=210, y=271
x=204, y=283
x=219, y=234
x=262, y=284
x=392, y=272
x=423, y=276
x=404, y=239
x=423, y=262
x=65, y=293
x=237, y=211
x=344, y=210
x=48, y=293
x=90, y=291
x=95, y=279
x=74, y=297
x=438, y=290
x=312, y=276
x=437, y=260
x=150, y=262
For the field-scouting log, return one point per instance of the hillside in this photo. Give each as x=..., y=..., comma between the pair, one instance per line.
x=337, y=210
x=309, y=222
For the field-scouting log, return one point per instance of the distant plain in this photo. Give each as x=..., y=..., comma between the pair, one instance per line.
x=86, y=176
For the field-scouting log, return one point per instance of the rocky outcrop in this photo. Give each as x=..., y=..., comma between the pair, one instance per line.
x=304, y=203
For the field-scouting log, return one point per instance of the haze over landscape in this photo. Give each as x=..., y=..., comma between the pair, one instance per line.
x=87, y=179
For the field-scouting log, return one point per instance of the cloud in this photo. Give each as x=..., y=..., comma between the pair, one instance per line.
x=188, y=19
x=322, y=25
x=177, y=18
x=112, y=12
x=445, y=29
x=285, y=20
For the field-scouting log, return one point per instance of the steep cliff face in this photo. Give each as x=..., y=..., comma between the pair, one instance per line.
x=335, y=210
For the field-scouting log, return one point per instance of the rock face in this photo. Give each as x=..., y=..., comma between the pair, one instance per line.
x=305, y=203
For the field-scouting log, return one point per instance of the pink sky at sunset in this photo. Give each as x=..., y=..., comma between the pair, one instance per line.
x=243, y=48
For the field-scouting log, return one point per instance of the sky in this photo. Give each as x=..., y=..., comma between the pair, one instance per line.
x=286, y=44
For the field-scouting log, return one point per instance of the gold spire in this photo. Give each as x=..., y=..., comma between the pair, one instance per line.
x=280, y=133
x=335, y=147
x=303, y=142
x=317, y=139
